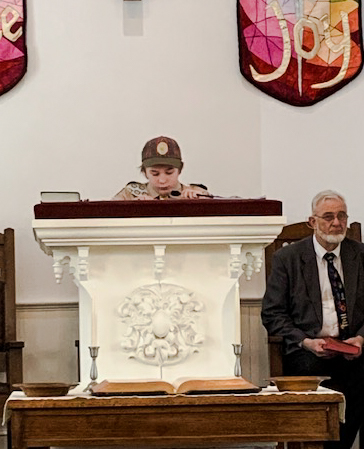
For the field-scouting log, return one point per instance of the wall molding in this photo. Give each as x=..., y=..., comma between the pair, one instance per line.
x=244, y=302
x=22, y=307
x=250, y=302
x=32, y=322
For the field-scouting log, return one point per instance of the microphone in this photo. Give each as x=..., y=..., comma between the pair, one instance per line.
x=177, y=193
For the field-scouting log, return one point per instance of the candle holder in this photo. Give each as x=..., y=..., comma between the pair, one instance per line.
x=237, y=351
x=94, y=352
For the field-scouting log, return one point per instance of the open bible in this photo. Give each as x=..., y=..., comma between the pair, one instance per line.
x=183, y=385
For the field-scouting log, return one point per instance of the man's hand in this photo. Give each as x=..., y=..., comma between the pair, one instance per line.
x=356, y=341
x=315, y=345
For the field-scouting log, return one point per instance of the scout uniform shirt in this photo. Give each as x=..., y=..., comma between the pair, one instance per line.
x=134, y=189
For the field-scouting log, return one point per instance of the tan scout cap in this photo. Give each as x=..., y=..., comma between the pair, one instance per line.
x=161, y=151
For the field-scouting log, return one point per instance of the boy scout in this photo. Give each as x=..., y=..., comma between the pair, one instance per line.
x=161, y=165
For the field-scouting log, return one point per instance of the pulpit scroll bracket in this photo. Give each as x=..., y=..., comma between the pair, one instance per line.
x=59, y=264
x=82, y=265
x=254, y=262
x=77, y=266
x=159, y=260
x=235, y=263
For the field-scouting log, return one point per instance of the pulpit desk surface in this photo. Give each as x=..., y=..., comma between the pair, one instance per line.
x=221, y=421
x=170, y=208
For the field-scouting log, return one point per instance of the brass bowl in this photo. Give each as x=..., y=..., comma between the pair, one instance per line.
x=45, y=389
x=298, y=383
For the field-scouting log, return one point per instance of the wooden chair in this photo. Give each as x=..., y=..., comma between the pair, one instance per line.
x=290, y=234
x=11, y=360
x=294, y=232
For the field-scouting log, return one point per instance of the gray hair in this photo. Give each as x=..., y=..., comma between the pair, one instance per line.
x=326, y=195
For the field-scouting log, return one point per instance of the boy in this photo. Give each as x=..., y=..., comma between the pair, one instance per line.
x=161, y=165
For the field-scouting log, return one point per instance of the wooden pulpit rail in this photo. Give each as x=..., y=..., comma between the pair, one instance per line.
x=166, y=208
x=175, y=421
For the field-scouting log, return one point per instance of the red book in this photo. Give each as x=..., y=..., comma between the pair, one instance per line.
x=340, y=346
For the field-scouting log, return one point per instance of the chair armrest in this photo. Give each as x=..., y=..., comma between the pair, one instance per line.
x=275, y=352
x=14, y=362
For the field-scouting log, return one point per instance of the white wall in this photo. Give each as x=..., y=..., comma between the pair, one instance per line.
x=306, y=150
x=49, y=332
x=104, y=77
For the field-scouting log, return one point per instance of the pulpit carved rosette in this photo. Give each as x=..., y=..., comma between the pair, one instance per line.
x=163, y=288
x=162, y=324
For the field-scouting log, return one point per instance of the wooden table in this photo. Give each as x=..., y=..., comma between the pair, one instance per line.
x=175, y=421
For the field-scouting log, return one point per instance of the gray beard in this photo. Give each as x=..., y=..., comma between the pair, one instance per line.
x=330, y=238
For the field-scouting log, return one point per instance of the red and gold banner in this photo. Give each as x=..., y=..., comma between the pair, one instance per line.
x=300, y=51
x=13, y=54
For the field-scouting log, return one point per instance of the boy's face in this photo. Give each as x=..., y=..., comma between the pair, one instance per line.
x=163, y=178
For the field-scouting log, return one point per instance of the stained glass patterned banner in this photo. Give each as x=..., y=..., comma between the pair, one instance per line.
x=13, y=54
x=300, y=51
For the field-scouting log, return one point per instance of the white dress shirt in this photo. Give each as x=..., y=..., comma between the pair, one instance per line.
x=330, y=326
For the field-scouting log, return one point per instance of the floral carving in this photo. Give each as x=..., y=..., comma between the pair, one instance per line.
x=162, y=324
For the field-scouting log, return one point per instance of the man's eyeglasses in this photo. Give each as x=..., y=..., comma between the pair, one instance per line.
x=341, y=216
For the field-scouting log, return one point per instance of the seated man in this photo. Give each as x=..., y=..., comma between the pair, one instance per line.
x=316, y=289
x=161, y=165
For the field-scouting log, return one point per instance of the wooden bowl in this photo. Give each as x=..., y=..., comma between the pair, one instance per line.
x=45, y=389
x=298, y=383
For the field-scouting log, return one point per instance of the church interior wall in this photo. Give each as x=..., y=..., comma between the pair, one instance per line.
x=306, y=150
x=104, y=77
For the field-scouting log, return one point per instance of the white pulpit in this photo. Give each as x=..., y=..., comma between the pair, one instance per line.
x=157, y=294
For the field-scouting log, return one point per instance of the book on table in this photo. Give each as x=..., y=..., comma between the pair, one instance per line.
x=333, y=344
x=183, y=385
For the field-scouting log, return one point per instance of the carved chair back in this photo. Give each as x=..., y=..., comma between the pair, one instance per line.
x=297, y=231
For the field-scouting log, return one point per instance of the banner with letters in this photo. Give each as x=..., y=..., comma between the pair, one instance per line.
x=13, y=54
x=300, y=51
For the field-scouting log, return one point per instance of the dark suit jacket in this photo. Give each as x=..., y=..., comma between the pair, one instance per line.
x=292, y=306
